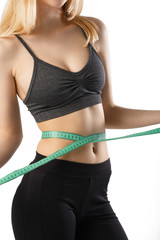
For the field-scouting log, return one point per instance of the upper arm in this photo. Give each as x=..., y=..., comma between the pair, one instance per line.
x=103, y=50
x=10, y=121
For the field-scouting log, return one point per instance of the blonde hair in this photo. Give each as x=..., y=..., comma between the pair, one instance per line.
x=20, y=17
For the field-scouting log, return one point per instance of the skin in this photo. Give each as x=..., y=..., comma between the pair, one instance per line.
x=56, y=43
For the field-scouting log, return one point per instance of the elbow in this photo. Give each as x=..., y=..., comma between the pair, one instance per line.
x=20, y=137
x=16, y=137
x=8, y=146
x=19, y=140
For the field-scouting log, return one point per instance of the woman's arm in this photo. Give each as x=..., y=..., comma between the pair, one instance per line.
x=10, y=123
x=117, y=116
x=123, y=118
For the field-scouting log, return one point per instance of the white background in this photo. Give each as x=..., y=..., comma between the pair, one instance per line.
x=134, y=187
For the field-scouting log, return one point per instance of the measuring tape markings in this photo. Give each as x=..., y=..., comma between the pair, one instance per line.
x=98, y=137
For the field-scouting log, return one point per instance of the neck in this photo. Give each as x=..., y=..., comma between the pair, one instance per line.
x=48, y=19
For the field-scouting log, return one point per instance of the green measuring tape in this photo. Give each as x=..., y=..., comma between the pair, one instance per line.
x=79, y=141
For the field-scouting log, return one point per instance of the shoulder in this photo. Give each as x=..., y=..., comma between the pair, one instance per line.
x=102, y=32
x=7, y=44
x=8, y=50
x=98, y=22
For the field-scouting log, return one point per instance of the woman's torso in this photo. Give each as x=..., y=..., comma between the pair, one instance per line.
x=86, y=121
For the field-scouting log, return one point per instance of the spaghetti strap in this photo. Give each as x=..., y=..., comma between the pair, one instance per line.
x=25, y=45
x=86, y=36
x=83, y=32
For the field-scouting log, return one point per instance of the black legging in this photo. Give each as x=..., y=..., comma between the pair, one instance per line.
x=65, y=200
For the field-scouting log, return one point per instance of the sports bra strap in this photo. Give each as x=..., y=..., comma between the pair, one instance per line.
x=83, y=32
x=25, y=45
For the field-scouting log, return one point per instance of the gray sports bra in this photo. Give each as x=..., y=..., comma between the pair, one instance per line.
x=54, y=91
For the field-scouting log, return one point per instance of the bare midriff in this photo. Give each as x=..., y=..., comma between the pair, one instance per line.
x=86, y=121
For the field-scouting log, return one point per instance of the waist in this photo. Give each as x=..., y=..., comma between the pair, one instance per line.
x=91, y=152
x=69, y=135
x=100, y=165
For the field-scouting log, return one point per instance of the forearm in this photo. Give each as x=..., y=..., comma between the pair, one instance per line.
x=8, y=146
x=123, y=118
